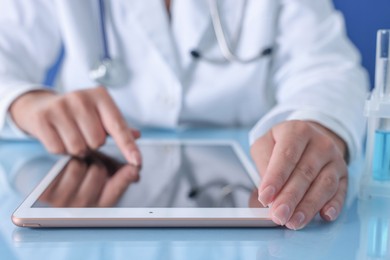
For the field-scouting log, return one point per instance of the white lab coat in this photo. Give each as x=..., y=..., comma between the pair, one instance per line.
x=313, y=74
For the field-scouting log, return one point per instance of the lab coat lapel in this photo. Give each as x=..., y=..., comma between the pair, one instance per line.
x=193, y=28
x=232, y=14
x=153, y=19
x=191, y=20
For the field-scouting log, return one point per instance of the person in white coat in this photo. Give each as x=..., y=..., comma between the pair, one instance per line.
x=303, y=95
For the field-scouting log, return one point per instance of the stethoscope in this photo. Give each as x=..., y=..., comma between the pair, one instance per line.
x=228, y=54
x=111, y=72
x=108, y=71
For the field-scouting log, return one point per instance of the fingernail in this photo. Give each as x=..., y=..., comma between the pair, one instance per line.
x=331, y=213
x=296, y=222
x=266, y=195
x=135, y=158
x=282, y=214
x=136, y=133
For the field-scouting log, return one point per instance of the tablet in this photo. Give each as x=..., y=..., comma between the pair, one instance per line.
x=182, y=183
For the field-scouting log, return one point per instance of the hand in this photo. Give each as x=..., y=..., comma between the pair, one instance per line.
x=98, y=181
x=75, y=122
x=303, y=172
x=254, y=201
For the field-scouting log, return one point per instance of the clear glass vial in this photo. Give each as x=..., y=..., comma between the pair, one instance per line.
x=376, y=178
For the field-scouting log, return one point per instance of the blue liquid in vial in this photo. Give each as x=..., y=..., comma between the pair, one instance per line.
x=381, y=160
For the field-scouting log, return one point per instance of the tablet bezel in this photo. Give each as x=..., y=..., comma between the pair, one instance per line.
x=27, y=216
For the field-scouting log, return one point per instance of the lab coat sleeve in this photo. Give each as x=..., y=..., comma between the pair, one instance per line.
x=316, y=73
x=29, y=43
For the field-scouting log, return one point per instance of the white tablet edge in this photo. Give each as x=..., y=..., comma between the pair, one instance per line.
x=110, y=217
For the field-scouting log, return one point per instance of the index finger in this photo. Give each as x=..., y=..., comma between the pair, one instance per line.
x=288, y=149
x=115, y=125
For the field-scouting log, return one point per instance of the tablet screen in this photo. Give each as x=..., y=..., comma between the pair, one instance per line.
x=172, y=175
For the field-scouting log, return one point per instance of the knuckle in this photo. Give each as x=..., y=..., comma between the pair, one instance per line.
x=307, y=171
x=330, y=181
x=290, y=154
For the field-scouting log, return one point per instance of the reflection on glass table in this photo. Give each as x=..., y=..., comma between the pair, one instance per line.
x=172, y=175
x=374, y=213
x=350, y=237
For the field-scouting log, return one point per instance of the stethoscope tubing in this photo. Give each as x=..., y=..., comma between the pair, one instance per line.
x=110, y=72
x=102, y=13
x=227, y=54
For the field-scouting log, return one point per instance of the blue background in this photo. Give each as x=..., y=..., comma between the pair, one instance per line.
x=363, y=19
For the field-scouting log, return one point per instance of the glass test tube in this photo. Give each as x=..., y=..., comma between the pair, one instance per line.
x=381, y=94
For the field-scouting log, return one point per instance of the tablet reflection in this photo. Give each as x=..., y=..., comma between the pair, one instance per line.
x=95, y=181
x=173, y=176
